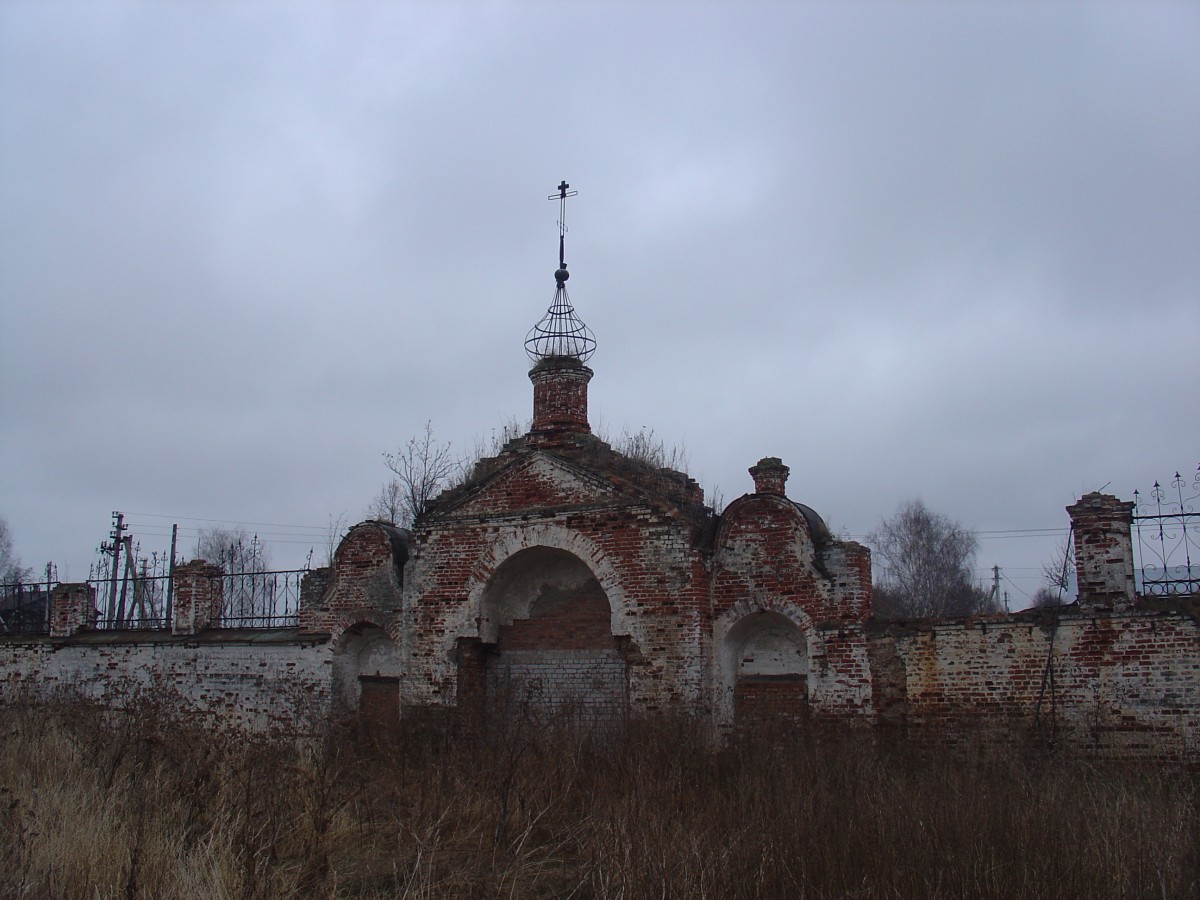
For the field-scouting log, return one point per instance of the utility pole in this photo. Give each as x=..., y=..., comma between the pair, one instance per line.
x=170, y=577
x=50, y=578
x=113, y=547
x=996, y=598
x=129, y=569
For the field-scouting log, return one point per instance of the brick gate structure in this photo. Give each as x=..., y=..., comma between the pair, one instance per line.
x=567, y=577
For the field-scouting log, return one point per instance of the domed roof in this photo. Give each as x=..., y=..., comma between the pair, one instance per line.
x=560, y=334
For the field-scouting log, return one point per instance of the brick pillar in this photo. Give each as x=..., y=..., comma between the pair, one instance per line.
x=770, y=476
x=857, y=583
x=560, y=396
x=72, y=608
x=312, y=592
x=1103, y=551
x=197, y=597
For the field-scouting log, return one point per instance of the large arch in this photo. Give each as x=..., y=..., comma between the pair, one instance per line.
x=762, y=670
x=545, y=621
x=469, y=622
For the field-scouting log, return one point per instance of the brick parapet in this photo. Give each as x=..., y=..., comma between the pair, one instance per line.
x=251, y=681
x=313, y=588
x=72, y=609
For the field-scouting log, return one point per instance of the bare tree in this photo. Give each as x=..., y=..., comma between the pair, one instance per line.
x=1057, y=572
x=249, y=592
x=423, y=468
x=11, y=570
x=22, y=606
x=388, y=505
x=924, y=563
x=234, y=550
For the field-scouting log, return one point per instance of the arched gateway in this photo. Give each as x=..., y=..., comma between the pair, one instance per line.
x=553, y=646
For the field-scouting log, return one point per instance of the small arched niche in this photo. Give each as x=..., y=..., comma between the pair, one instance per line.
x=366, y=674
x=548, y=625
x=765, y=669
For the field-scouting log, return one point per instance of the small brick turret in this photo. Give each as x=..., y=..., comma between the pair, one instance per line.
x=72, y=609
x=770, y=476
x=1103, y=551
x=560, y=396
x=198, y=597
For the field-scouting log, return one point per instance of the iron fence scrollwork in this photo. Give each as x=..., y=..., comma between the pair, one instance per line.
x=260, y=599
x=25, y=608
x=138, y=599
x=1168, y=537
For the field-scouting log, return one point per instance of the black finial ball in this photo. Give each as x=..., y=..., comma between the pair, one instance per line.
x=562, y=275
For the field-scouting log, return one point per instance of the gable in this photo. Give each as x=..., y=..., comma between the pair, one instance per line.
x=536, y=481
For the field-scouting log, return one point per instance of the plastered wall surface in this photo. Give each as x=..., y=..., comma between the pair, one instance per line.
x=260, y=682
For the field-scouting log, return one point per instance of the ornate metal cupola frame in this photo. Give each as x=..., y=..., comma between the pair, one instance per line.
x=559, y=345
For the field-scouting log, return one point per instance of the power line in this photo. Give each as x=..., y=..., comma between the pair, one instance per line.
x=227, y=521
x=1014, y=584
x=1000, y=533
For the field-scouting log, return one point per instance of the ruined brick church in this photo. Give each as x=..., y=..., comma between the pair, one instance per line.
x=566, y=574
x=577, y=580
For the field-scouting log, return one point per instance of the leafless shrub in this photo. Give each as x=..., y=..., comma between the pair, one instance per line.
x=335, y=530
x=645, y=447
x=152, y=802
x=1047, y=598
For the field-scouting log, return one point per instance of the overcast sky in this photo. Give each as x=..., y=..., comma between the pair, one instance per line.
x=936, y=250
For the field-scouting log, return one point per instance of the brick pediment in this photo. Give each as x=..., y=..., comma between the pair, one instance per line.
x=536, y=481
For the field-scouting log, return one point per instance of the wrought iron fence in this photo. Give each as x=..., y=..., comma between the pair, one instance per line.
x=260, y=599
x=1168, y=535
x=134, y=597
x=144, y=602
x=140, y=603
x=25, y=608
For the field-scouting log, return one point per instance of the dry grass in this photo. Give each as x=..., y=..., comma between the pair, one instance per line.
x=145, y=803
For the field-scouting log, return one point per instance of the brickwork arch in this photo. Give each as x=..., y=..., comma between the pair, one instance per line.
x=361, y=618
x=469, y=621
x=771, y=646
x=547, y=625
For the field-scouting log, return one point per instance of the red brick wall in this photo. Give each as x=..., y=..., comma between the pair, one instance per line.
x=570, y=622
x=1123, y=684
x=560, y=400
x=771, y=702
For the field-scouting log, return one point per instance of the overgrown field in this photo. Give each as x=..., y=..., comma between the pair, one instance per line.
x=145, y=804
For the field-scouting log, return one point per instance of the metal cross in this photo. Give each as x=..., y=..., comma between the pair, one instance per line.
x=561, y=197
